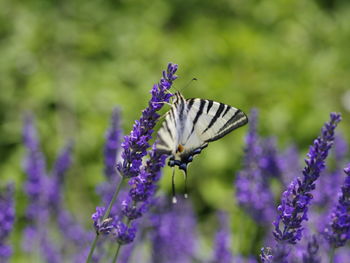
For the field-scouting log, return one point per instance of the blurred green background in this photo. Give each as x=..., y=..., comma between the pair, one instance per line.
x=71, y=62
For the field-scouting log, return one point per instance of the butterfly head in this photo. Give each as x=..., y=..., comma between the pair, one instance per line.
x=178, y=98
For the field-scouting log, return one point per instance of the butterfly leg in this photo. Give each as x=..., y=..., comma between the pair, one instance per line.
x=186, y=192
x=173, y=186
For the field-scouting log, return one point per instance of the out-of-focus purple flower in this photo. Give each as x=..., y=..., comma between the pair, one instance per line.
x=63, y=163
x=269, y=162
x=72, y=230
x=53, y=184
x=289, y=164
x=295, y=200
x=50, y=250
x=222, y=245
x=136, y=144
x=173, y=233
x=111, y=152
x=252, y=186
x=112, y=144
x=340, y=147
x=34, y=167
x=311, y=255
x=81, y=256
x=125, y=255
x=338, y=231
x=7, y=218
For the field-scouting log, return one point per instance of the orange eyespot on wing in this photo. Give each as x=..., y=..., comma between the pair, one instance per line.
x=180, y=148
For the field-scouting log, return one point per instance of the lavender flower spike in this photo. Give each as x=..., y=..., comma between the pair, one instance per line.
x=338, y=231
x=7, y=218
x=296, y=199
x=135, y=148
x=136, y=144
x=222, y=245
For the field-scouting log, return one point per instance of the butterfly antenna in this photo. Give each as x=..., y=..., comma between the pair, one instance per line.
x=173, y=186
x=189, y=83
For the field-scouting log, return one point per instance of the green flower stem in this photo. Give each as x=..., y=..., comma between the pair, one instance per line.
x=116, y=192
x=116, y=253
x=331, y=254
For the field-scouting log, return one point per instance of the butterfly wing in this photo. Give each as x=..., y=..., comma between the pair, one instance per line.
x=212, y=120
x=191, y=124
x=167, y=136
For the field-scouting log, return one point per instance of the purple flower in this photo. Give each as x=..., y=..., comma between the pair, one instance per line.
x=222, y=244
x=111, y=148
x=124, y=233
x=126, y=253
x=102, y=226
x=45, y=200
x=143, y=181
x=340, y=148
x=34, y=167
x=111, y=152
x=311, y=252
x=72, y=230
x=289, y=164
x=7, y=218
x=53, y=184
x=266, y=255
x=50, y=250
x=295, y=200
x=173, y=233
x=338, y=231
x=279, y=254
x=269, y=162
x=252, y=184
x=136, y=144
x=142, y=178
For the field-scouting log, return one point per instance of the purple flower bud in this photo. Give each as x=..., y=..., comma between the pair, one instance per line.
x=7, y=218
x=102, y=226
x=123, y=233
x=338, y=231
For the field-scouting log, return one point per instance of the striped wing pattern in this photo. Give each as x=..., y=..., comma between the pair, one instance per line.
x=193, y=123
x=212, y=120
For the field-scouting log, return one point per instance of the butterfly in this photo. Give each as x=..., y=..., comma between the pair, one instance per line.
x=190, y=125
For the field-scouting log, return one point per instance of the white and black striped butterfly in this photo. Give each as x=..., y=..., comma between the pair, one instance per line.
x=190, y=125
